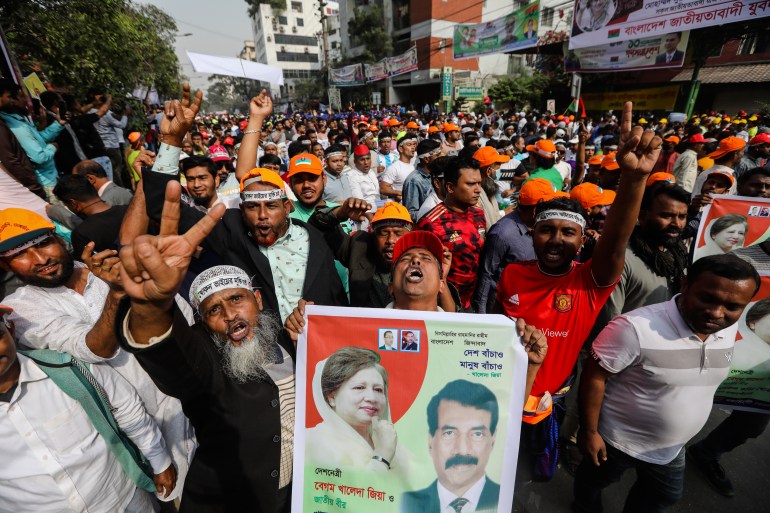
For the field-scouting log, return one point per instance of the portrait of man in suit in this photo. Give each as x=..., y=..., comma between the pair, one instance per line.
x=462, y=425
x=670, y=53
x=531, y=32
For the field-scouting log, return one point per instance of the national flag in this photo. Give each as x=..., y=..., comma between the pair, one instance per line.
x=614, y=58
x=573, y=107
x=613, y=33
x=577, y=107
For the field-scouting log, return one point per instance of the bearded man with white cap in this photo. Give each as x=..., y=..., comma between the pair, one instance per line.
x=233, y=370
x=562, y=297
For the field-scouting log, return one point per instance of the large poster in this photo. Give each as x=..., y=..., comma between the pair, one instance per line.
x=653, y=98
x=347, y=76
x=403, y=63
x=651, y=52
x=391, y=404
x=376, y=71
x=597, y=22
x=740, y=224
x=511, y=32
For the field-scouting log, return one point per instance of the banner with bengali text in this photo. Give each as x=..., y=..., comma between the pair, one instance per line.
x=403, y=63
x=666, y=51
x=510, y=32
x=381, y=397
x=740, y=224
x=347, y=76
x=654, y=98
x=376, y=71
x=597, y=22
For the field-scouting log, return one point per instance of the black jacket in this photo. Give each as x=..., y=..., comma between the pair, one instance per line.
x=230, y=240
x=238, y=426
x=426, y=500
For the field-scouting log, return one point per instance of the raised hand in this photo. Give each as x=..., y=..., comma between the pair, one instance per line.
x=145, y=158
x=384, y=438
x=105, y=265
x=261, y=106
x=153, y=266
x=352, y=208
x=178, y=117
x=533, y=340
x=446, y=262
x=639, y=148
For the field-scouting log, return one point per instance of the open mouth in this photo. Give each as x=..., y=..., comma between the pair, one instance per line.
x=264, y=230
x=414, y=275
x=552, y=255
x=308, y=193
x=237, y=330
x=48, y=270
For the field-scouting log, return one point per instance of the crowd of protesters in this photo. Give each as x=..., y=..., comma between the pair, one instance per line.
x=162, y=275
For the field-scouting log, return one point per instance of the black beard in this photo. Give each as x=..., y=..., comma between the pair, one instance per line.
x=669, y=264
x=68, y=267
x=489, y=186
x=202, y=201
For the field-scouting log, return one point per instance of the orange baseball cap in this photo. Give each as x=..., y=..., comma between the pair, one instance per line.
x=393, y=213
x=394, y=122
x=609, y=163
x=590, y=195
x=133, y=137
x=450, y=127
x=727, y=145
x=419, y=239
x=672, y=138
x=544, y=147
x=487, y=156
x=5, y=310
x=373, y=128
x=596, y=160
x=432, y=129
x=305, y=163
x=260, y=174
x=412, y=124
x=726, y=174
x=536, y=190
x=20, y=228
x=660, y=176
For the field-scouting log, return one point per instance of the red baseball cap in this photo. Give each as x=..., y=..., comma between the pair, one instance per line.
x=697, y=138
x=419, y=239
x=361, y=150
x=763, y=138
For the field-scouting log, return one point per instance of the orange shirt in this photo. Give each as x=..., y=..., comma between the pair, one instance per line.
x=563, y=307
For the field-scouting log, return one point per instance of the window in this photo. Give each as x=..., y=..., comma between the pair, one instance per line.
x=754, y=43
x=285, y=39
x=282, y=20
x=300, y=22
x=546, y=17
x=297, y=57
x=296, y=6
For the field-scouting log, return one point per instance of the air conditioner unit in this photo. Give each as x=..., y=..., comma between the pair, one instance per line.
x=281, y=29
x=306, y=50
x=283, y=48
x=294, y=29
x=269, y=39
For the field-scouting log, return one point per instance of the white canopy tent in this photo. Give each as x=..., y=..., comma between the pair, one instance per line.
x=234, y=67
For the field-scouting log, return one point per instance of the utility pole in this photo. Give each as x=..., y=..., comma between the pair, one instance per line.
x=325, y=37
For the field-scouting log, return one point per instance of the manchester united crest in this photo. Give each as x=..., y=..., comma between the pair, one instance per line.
x=563, y=303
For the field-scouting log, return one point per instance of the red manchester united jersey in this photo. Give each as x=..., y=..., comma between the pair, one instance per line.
x=563, y=307
x=463, y=234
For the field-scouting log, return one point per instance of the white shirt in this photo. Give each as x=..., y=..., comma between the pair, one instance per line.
x=431, y=201
x=59, y=318
x=54, y=459
x=396, y=174
x=445, y=497
x=15, y=195
x=365, y=186
x=564, y=169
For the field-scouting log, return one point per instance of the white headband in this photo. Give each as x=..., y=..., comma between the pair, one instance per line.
x=253, y=196
x=215, y=279
x=430, y=153
x=564, y=215
x=335, y=154
x=34, y=242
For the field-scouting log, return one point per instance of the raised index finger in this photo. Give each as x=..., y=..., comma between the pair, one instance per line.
x=186, y=95
x=169, y=221
x=204, y=226
x=625, y=124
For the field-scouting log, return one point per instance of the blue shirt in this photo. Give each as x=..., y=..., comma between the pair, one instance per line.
x=36, y=145
x=417, y=187
x=507, y=241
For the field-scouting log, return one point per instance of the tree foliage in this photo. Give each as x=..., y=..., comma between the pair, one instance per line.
x=277, y=5
x=231, y=93
x=519, y=92
x=114, y=45
x=367, y=28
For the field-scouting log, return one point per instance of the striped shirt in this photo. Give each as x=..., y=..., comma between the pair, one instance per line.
x=664, y=380
x=282, y=374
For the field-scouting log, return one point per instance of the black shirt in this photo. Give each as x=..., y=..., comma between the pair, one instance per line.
x=102, y=228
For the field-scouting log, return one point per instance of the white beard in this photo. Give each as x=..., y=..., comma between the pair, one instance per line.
x=248, y=361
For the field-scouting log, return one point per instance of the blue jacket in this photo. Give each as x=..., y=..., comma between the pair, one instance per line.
x=36, y=145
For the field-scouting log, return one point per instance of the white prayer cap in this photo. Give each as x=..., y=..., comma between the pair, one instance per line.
x=215, y=279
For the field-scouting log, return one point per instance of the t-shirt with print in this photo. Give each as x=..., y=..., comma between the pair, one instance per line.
x=563, y=307
x=463, y=234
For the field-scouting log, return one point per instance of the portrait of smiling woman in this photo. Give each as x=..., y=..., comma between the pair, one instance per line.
x=726, y=233
x=350, y=390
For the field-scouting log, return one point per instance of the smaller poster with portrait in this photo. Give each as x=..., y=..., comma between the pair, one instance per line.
x=741, y=225
x=732, y=223
x=395, y=407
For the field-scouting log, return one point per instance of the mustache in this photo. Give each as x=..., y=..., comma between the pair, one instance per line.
x=232, y=324
x=460, y=459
